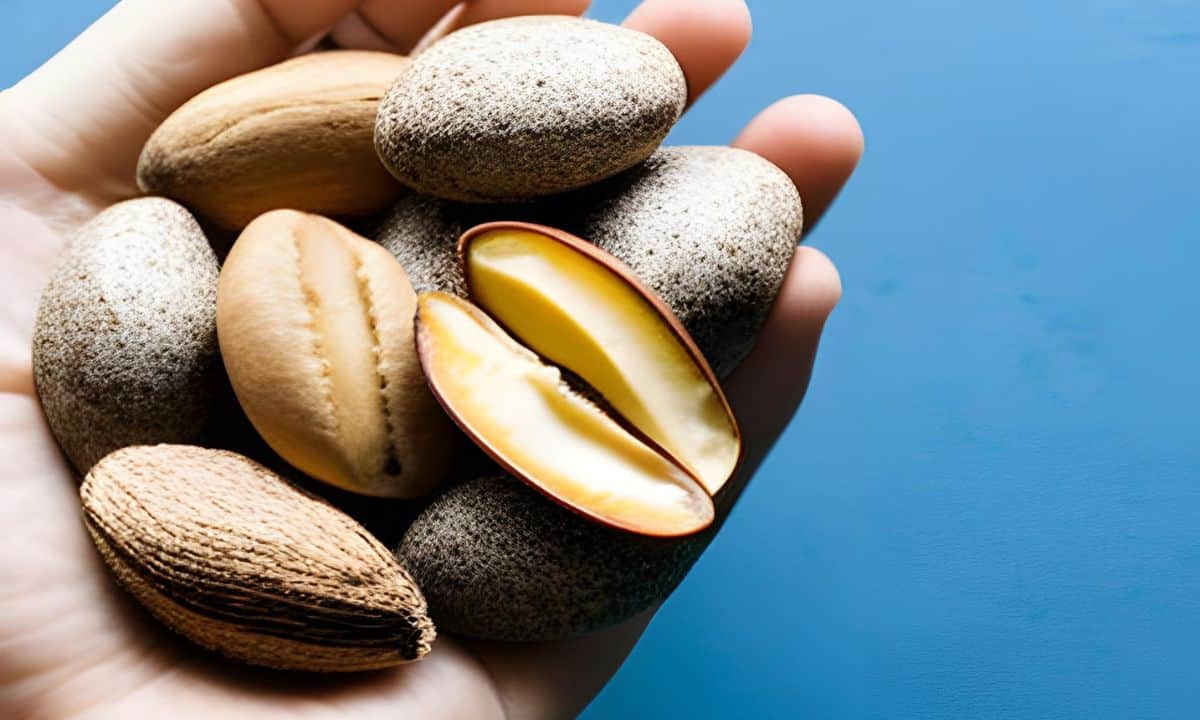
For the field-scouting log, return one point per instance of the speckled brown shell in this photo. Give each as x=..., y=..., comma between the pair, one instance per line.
x=422, y=232
x=523, y=107
x=125, y=342
x=231, y=556
x=711, y=230
x=497, y=560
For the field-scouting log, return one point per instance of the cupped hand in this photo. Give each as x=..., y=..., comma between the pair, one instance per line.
x=70, y=643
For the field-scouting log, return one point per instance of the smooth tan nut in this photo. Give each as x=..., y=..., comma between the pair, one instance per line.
x=582, y=309
x=522, y=413
x=125, y=338
x=231, y=556
x=294, y=135
x=523, y=107
x=316, y=331
x=498, y=560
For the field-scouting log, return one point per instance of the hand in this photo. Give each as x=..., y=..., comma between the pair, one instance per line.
x=71, y=642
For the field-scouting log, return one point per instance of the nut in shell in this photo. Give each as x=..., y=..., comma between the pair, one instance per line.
x=498, y=560
x=293, y=135
x=231, y=556
x=316, y=330
x=125, y=342
x=529, y=106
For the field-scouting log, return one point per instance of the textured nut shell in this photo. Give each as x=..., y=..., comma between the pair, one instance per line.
x=125, y=343
x=422, y=232
x=232, y=557
x=316, y=330
x=497, y=560
x=711, y=230
x=522, y=107
x=295, y=135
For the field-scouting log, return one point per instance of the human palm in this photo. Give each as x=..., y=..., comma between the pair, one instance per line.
x=70, y=642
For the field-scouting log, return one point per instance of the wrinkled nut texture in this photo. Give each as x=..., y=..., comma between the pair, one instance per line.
x=125, y=341
x=316, y=331
x=231, y=556
x=500, y=561
x=294, y=135
x=523, y=107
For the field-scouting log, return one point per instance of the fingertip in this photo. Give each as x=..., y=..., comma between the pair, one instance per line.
x=817, y=281
x=705, y=36
x=744, y=22
x=822, y=279
x=770, y=384
x=811, y=290
x=821, y=122
x=733, y=15
x=816, y=140
x=831, y=123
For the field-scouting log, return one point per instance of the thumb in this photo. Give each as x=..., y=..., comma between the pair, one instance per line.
x=92, y=105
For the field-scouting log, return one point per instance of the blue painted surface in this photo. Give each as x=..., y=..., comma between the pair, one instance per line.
x=989, y=506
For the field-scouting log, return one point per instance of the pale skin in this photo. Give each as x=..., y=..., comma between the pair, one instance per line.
x=70, y=643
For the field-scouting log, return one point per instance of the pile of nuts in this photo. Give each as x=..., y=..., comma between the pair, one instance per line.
x=514, y=331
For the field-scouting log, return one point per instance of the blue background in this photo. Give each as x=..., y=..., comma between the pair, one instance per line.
x=989, y=505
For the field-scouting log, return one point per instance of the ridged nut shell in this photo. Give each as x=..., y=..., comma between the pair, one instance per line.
x=231, y=556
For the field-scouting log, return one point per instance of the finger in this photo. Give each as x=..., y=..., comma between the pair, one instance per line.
x=101, y=96
x=395, y=25
x=706, y=36
x=474, y=12
x=477, y=11
x=769, y=385
x=818, y=143
x=354, y=32
x=815, y=140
